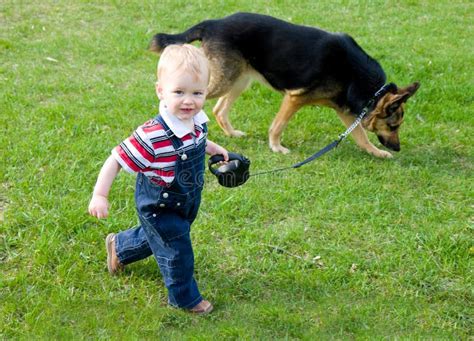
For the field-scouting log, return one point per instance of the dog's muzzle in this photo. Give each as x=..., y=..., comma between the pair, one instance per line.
x=395, y=146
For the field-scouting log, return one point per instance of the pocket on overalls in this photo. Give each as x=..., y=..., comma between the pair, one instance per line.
x=167, y=215
x=168, y=224
x=172, y=201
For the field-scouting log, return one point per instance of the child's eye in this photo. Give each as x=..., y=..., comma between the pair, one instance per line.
x=198, y=93
x=178, y=92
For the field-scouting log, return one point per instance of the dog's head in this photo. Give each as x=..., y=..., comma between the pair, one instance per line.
x=387, y=116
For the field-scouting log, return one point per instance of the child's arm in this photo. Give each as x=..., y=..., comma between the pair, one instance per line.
x=99, y=205
x=213, y=149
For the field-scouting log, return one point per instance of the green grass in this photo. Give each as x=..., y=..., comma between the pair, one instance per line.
x=346, y=247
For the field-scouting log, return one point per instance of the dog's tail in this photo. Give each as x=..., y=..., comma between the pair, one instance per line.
x=161, y=40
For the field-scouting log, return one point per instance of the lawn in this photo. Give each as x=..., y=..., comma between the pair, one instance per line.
x=346, y=247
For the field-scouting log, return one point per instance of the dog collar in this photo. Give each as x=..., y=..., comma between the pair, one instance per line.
x=390, y=87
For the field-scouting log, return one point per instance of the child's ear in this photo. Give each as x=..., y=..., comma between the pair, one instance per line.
x=159, y=91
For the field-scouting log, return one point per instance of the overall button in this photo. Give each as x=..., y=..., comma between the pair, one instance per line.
x=165, y=195
x=184, y=157
x=178, y=204
x=162, y=205
x=154, y=215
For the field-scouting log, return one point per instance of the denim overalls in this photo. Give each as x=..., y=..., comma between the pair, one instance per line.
x=166, y=215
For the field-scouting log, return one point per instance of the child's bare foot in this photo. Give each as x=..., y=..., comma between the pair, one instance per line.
x=202, y=308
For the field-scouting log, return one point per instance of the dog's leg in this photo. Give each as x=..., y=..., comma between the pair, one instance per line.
x=224, y=103
x=360, y=137
x=289, y=106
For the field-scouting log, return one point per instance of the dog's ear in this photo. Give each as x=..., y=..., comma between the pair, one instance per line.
x=411, y=89
x=401, y=97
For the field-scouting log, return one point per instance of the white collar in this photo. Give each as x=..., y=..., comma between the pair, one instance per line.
x=175, y=124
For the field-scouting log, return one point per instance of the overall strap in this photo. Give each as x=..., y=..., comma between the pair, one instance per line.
x=203, y=129
x=176, y=141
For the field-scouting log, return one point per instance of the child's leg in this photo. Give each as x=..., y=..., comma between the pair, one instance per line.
x=169, y=238
x=132, y=245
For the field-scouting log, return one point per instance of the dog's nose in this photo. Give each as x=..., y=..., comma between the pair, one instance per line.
x=395, y=146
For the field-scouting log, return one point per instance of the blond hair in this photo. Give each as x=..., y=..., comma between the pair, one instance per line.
x=184, y=57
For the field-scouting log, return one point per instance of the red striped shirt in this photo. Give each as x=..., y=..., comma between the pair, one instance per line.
x=149, y=150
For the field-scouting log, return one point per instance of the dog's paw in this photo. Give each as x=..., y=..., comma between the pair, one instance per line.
x=234, y=133
x=237, y=133
x=382, y=154
x=280, y=149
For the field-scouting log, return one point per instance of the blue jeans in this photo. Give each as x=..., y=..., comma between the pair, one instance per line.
x=167, y=237
x=166, y=215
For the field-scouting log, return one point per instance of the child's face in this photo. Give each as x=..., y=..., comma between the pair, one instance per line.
x=183, y=93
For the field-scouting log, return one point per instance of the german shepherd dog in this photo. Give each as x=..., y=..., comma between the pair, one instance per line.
x=306, y=64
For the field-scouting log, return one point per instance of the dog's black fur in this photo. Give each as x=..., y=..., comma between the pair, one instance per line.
x=307, y=64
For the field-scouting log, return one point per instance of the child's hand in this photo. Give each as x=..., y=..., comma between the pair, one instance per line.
x=214, y=149
x=222, y=151
x=99, y=206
